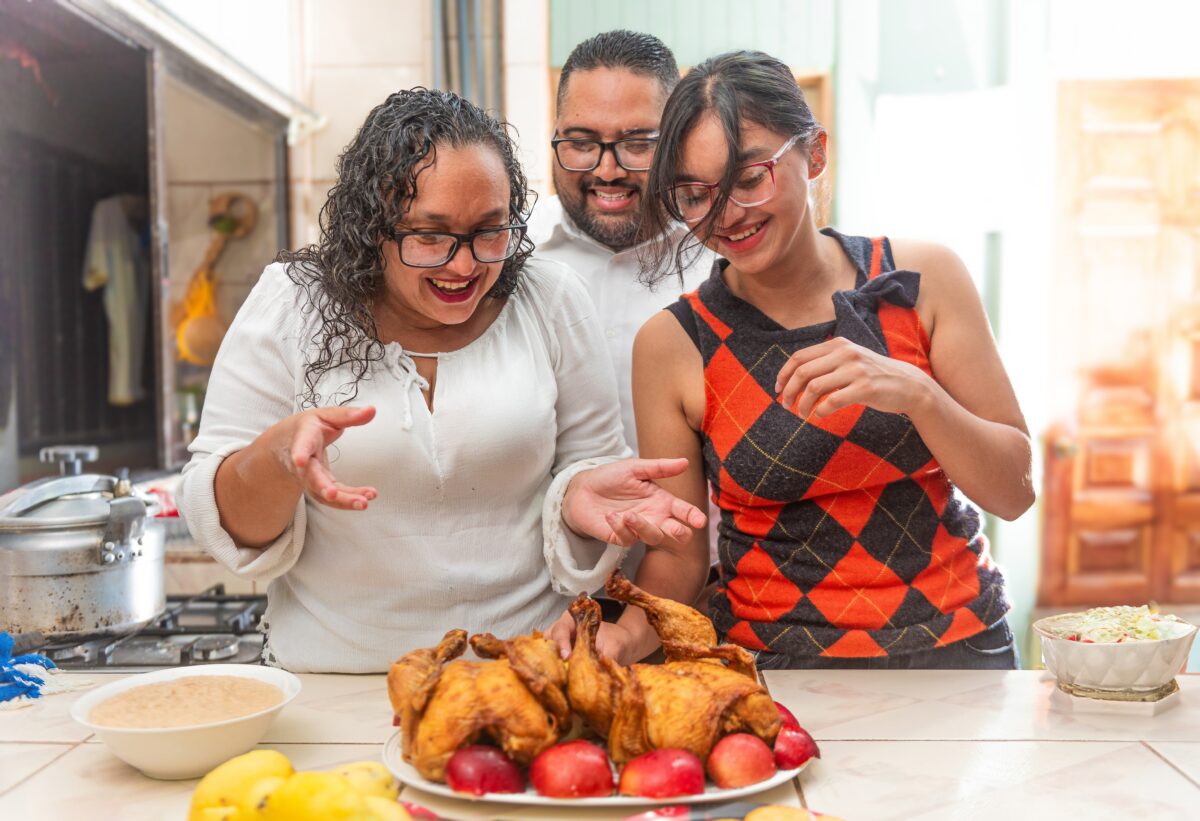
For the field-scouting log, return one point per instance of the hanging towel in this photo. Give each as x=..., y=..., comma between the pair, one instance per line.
x=116, y=260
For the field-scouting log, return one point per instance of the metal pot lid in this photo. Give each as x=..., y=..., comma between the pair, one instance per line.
x=60, y=501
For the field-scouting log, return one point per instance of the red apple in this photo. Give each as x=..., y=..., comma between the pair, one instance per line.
x=576, y=769
x=663, y=774
x=478, y=769
x=786, y=716
x=794, y=746
x=740, y=759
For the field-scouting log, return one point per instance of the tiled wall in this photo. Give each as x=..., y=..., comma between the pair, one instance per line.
x=211, y=151
x=348, y=57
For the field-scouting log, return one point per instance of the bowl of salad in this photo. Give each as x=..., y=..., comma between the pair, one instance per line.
x=1128, y=649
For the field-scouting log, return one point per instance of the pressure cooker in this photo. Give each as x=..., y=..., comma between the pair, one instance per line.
x=79, y=553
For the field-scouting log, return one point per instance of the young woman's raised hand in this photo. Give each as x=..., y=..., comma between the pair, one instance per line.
x=834, y=374
x=620, y=503
x=305, y=455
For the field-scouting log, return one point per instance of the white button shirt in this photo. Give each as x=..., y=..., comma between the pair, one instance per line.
x=467, y=530
x=622, y=302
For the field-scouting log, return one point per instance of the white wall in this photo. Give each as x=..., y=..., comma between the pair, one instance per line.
x=527, y=103
x=258, y=34
x=339, y=57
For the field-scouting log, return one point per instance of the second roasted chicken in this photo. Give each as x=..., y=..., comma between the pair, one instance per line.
x=702, y=692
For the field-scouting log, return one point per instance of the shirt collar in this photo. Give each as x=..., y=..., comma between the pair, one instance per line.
x=564, y=229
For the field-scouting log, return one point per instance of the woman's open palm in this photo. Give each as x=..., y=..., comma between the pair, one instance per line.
x=620, y=503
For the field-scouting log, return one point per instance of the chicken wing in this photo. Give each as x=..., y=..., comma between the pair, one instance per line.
x=673, y=621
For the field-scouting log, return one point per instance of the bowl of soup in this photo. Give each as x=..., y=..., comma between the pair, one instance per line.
x=182, y=722
x=1123, y=649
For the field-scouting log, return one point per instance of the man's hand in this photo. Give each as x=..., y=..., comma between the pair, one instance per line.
x=616, y=641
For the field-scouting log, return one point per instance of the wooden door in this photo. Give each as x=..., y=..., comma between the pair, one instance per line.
x=1122, y=468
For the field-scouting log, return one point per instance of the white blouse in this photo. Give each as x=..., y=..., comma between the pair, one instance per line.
x=466, y=531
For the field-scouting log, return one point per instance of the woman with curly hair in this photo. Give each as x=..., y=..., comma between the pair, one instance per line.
x=479, y=473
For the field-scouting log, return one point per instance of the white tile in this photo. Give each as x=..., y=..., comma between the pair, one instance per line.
x=345, y=97
x=19, y=761
x=996, y=780
x=336, y=709
x=368, y=32
x=1184, y=755
x=89, y=782
x=47, y=720
x=963, y=705
x=195, y=575
x=207, y=142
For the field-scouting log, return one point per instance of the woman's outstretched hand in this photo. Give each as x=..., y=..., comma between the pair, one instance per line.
x=620, y=503
x=305, y=456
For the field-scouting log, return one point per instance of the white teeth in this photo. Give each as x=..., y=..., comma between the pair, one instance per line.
x=747, y=233
x=602, y=195
x=452, y=286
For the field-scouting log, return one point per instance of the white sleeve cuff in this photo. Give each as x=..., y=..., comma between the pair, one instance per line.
x=198, y=506
x=577, y=564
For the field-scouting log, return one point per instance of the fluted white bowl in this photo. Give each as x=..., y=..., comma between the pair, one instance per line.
x=186, y=752
x=1132, y=666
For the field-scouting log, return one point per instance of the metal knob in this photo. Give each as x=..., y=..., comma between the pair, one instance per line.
x=70, y=458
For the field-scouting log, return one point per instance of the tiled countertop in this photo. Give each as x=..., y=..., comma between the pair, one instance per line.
x=895, y=745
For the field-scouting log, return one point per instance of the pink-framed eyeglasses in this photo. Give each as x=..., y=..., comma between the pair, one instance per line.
x=755, y=184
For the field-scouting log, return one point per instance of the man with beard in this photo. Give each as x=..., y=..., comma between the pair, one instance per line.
x=611, y=94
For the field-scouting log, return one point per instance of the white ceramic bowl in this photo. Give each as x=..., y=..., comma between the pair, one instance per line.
x=186, y=752
x=1130, y=666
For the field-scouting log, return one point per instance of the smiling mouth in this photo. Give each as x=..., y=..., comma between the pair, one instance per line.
x=741, y=235
x=453, y=290
x=452, y=285
x=612, y=200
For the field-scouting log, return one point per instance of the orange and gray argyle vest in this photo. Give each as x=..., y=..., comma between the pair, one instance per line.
x=839, y=536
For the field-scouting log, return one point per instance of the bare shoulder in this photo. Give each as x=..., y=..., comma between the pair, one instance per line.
x=668, y=378
x=661, y=338
x=944, y=276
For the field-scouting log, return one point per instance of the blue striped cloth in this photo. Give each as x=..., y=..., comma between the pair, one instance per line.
x=15, y=682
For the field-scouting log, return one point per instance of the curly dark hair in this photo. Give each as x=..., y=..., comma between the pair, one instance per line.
x=342, y=274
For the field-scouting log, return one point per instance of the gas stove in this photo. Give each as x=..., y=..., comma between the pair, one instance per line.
x=209, y=628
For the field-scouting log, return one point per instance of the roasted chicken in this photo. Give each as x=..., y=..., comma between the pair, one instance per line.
x=515, y=698
x=704, y=691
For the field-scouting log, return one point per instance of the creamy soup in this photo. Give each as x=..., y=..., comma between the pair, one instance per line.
x=184, y=702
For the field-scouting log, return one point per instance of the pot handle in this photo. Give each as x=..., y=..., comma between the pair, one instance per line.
x=27, y=497
x=126, y=524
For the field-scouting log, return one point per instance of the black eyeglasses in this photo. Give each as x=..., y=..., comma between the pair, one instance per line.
x=631, y=153
x=431, y=249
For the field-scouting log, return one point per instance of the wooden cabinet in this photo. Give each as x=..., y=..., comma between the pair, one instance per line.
x=1122, y=468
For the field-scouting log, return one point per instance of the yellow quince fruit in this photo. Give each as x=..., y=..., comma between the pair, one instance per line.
x=254, y=800
x=316, y=796
x=226, y=785
x=386, y=809
x=371, y=778
x=219, y=814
